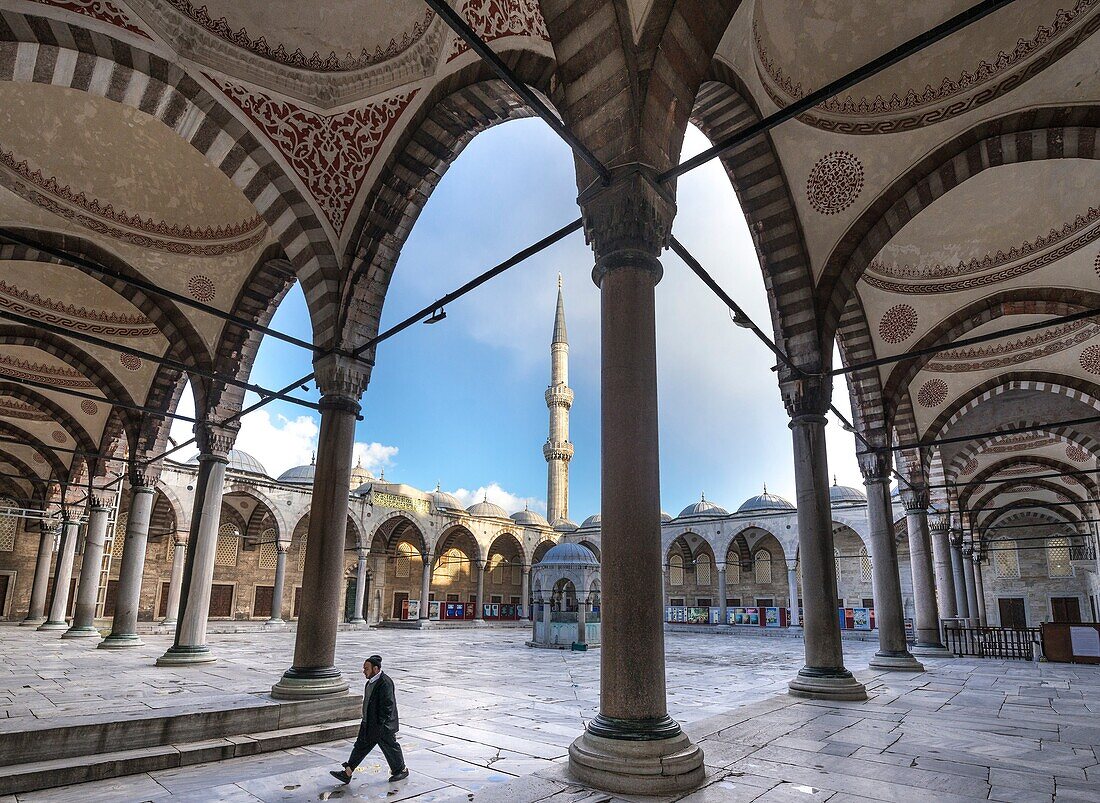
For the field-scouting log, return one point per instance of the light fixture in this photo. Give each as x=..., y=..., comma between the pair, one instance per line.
x=437, y=315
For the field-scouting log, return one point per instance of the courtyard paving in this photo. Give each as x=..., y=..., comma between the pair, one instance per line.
x=486, y=719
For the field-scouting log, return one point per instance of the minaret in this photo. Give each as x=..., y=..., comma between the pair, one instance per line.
x=557, y=450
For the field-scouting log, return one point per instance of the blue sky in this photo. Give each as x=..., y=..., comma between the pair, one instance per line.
x=460, y=402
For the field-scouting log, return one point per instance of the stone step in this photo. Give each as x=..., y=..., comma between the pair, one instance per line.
x=48, y=774
x=232, y=715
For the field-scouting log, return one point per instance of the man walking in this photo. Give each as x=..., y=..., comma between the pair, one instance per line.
x=379, y=725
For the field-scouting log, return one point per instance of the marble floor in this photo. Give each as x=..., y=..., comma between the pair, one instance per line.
x=486, y=719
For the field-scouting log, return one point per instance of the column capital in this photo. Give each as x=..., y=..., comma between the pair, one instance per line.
x=100, y=500
x=282, y=547
x=875, y=466
x=143, y=478
x=915, y=498
x=807, y=396
x=956, y=537
x=629, y=221
x=939, y=523
x=340, y=377
x=967, y=549
x=216, y=440
x=362, y=553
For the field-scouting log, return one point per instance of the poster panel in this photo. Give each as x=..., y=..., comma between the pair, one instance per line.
x=433, y=610
x=413, y=611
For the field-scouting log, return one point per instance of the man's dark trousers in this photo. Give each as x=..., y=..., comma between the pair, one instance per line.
x=379, y=726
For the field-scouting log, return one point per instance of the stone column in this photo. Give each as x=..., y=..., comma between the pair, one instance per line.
x=189, y=646
x=361, y=589
x=175, y=582
x=525, y=592
x=91, y=569
x=941, y=552
x=962, y=608
x=927, y=615
x=36, y=613
x=62, y=575
x=979, y=591
x=632, y=745
x=547, y=611
x=277, y=592
x=426, y=586
x=479, y=613
x=824, y=676
x=582, y=606
x=722, y=594
x=314, y=671
x=971, y=588
x=893, y=652
x=128, y=599
x=792, y=584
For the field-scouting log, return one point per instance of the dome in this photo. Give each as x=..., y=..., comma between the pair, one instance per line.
x=302, y=475
x=665, y=518
x=701, y=509
x=565, y=526
x=359, y=475
x=487, y=509
x=445, y=501
x=569, y=554
x=592, y=521
x=845, y=494
x=764, y=503
x=530, y=518
x=240, y=461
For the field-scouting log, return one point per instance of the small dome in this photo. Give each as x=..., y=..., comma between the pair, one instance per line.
x=445, y=501
x=530, y=518
x=702, y=509
x=592, y=522
x=764, y=503
x=569, y=554
x=565, y=526
x=665, y=518
x=240, y=461
x=845, y=494
x=303, y=475
x=487, y=509
x=360, y=475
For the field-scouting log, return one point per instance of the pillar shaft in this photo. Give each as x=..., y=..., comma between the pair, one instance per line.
x=280, y=584
x=128, y=596
x=525, y=592
x=722, y=609
x=175, y=582
x=91, y=570
x=979, y=592
x=962, y=607
x=792, y=584
x=62, y=575
x=945, y=579
x=361, y=589
x=971, y=589
x=479, y=613
x=426, y=588
x=36, y=612
x=927, y=619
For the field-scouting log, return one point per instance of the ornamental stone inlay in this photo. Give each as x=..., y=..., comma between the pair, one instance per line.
x=1090, y=360
x=969, y=466
x=1076, y=453
x=58, y=436
x=932, y=393
x=834, y=182
x=130, y=362
x=898, y=323
x=90, y=407
x=201, y=288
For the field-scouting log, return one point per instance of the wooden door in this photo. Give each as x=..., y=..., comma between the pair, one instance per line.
x=1066, y=609
x=265, y=598
x=221, y=601
x=162, y=606
x=1012, y=612
x=111, y=598
x=4, y=578
x=399, y=598
x=349, y=598
x=297, y=602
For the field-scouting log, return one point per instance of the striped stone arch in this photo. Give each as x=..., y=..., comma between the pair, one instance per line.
x=31, y=51
x=1054, y=516
x=38, y=483
x=9, y=430
x=1068, y=515
x=455, y=534
x=1040, y=463
x=724, y=106
x=1065, y=434
x=454, y=112
x=180, y=511
x=1006, y=487
x=394, y=525
x=62, y=417
x=1067, y=132
x=509, y=532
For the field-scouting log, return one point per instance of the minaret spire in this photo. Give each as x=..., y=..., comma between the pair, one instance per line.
x=557, y=450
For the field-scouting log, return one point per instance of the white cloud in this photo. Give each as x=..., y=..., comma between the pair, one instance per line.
x=375, y=456
x=494, y=493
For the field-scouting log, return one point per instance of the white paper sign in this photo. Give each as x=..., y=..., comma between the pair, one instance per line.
x=1085, y=641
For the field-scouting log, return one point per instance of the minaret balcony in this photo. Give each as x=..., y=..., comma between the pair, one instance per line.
x=559, y=396
x=557, y=450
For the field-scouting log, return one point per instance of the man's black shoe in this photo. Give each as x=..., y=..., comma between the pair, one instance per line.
x=342, y=776
x=397, y=776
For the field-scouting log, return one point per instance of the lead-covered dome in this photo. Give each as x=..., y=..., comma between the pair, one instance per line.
x=665, y=518
x=529, y=518
x=565, y=525
x=592, y=522
x=568, y=553
x=487, y=509
x=240, y=461
x=445, y=501
x=845, y=494
x=765, y=503
x=360, y=475
x=702, y=509
x=301, y=475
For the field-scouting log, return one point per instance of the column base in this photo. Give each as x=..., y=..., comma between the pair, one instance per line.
x=932, y=651
x=896, y=662
x=28, y=622
x=302, y=684
x=635, y=762
x=121, y=642
x=826, y=684
x=167, y=621
x=274, y=624
x=80, y=632
x=54, y=626
x=185, y=656
x=357, y=621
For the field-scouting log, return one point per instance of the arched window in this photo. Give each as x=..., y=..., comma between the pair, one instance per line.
x=403, y=563
x=8, y=525
x=702, y=570
x=1006, y=560
x=836, y=564
x=302, y=552
x=762, y=567
x=1058, y=558
x=676, y=570
x=269, y=549
x=865, y=567
x=497, y=569
x=229, y=538
x=733, y=569
x=118, y=541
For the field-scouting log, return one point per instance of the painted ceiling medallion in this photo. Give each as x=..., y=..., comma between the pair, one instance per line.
x=201, y=288
x=70, y=316
x=1096, y=265
x=101, y=10
x=39, y=459
x=495, y=19
x=330, y=153
x=1090, y=360
x=58, y=436
x=57, y=375
x=10, y=408
x=898, y=323
x=223, y=29
x=49, y=193
x=951, y=96
x=932, y=393
x=1076, y=453
x=130, y=362
x=834, y=182
x=89, y=407
x=1043, y=343
x=1020, y=443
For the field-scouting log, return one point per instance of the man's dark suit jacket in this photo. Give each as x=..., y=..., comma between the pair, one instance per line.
x=380, y=705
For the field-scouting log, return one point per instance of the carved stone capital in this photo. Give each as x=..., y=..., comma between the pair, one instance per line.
x=956, y=537
x=915, y=498
x=629, y=221
x=875, y=466
x=807, y=396
x=143, y=476
x=103, y=500
x=967, y=550
x=939, y=523
x=215, y=439
x=341, y=377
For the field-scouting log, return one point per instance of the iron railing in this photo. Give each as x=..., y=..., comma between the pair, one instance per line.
x=1082, y=552
x=992, y=642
